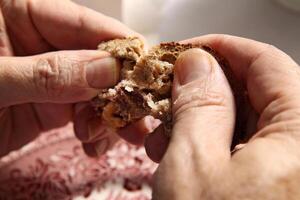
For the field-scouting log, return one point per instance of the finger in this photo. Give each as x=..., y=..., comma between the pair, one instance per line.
x=136, y=132
x=58, y=77
x=11, y=124
x=101, y=146
x=267, y=72
x=51, y=115
x=156, y=144
x=5, y=45
x=90, y=128
x=24, y=37
x=203, y=111
x=203, y=123
x=96, y=137
x=83, y=113
x=79, y=27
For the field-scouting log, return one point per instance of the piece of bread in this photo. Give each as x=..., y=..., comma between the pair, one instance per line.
x=146, y=81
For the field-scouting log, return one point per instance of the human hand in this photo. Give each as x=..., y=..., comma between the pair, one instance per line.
x=197, y=162
x=38, y=91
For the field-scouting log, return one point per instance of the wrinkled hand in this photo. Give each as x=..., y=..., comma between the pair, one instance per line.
x=197, y=163
x=39, y=89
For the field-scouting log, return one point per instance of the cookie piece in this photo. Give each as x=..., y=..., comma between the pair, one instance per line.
x=146, y=82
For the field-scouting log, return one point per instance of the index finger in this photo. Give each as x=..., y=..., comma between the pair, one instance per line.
x=267, y=72
x=66, y=25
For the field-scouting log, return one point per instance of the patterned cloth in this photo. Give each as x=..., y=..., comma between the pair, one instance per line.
x=54, y=166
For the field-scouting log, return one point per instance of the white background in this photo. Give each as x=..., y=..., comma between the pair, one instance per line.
x=165, y=20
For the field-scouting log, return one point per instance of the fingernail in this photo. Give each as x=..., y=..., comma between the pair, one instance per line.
x=192, y=65
x=152, y=123
x=80, y=106
x=89, y=149
x=96, y=129
x=101, y=146
x=83, y=114
x=102, y=73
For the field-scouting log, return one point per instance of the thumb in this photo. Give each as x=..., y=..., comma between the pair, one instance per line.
x=64, y=76
x=203, y=123
x=203, y=114
x=203, y=111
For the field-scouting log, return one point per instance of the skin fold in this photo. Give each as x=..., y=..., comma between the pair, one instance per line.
x=197, y=163
x=46, y=81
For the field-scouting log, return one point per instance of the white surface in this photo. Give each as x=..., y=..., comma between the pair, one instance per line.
x=263, y=20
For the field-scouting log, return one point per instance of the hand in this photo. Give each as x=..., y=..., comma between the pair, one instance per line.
x=38, y=90
x=197, y=163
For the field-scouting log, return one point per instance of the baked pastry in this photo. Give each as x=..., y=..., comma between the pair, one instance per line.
x=146, y=82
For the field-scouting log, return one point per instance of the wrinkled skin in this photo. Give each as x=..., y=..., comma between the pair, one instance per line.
x=197, y=163
x=40, y=91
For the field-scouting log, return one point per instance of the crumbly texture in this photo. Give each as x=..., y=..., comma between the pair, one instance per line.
x=146, y=82
x=129, y=48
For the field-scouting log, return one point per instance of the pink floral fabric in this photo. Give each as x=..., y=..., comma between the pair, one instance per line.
x=54, y=166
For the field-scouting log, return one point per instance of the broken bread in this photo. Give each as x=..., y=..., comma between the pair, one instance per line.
x=146, y=82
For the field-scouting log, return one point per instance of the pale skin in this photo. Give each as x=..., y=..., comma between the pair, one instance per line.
x=197, y=162
x=40, y=91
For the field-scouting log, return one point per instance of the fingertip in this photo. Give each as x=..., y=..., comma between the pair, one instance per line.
x=103, y=72
x=88, y=127
x=135, y=133
x=101, y=145
x=192, y=65
x=89, y=150
x=156, y=144
x=83, y=113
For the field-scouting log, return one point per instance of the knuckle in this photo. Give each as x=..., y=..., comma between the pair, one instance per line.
x=270, y=47
x=268, y=50
x=272, y=50
x=54, y=74
x=82, y=12
x=199, y=98
x=281, y=120
x=48, y=77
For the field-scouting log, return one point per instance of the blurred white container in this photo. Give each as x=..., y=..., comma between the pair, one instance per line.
x=143, y=16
